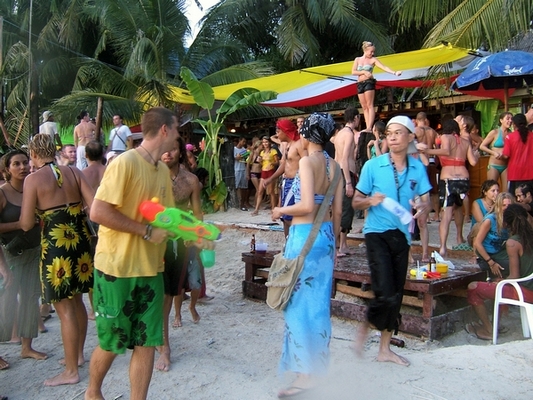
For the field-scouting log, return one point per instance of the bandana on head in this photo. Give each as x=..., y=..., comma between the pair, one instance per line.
x=288, y=128
x=318, y=128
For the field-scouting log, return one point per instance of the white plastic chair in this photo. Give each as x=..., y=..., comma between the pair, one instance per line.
x=526, y=309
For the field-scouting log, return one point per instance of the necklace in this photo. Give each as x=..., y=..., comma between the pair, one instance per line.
x=15, y=189
x=149, y=155
x=45, y=164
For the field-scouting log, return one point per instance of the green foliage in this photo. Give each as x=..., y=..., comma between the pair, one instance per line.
x=204, y=97
x=466, y=23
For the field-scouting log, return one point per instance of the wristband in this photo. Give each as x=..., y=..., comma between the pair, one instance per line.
x=148, y=234
x=489, y=260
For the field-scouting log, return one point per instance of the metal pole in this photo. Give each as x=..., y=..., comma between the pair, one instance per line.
x=30, y=63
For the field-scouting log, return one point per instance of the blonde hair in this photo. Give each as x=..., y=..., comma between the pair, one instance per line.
x=366, y=45
x=43, y=146
x=498, y=208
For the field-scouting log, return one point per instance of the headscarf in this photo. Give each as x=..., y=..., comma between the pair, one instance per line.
x=318, y=128
x=288, y=128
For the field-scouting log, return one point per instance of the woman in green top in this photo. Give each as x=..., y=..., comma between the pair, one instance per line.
x=520, y=250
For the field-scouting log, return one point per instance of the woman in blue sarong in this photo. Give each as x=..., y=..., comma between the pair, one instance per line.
x=307, y=315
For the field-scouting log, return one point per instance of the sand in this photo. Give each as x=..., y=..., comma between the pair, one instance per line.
x=233, y=352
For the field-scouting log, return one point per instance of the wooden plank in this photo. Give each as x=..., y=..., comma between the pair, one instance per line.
x=369, y=294
x=263, y=273
x=254, y=290
x=432, y=328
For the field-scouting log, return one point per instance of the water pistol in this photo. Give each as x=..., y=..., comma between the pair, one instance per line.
x=182, y=224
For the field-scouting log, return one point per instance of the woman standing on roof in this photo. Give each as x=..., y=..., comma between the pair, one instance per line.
x=366, y=83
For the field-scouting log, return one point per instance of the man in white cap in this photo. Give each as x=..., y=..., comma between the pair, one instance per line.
x=50, y=127
x=399, y=178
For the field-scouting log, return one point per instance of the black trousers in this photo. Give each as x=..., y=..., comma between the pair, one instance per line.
x=388, y=258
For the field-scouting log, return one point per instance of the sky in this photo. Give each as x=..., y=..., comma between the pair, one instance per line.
x=194, y=14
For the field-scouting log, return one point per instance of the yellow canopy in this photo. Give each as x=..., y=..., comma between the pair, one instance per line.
x=411, y=63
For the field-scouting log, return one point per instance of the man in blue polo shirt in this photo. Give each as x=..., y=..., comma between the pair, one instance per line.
x=400, y=178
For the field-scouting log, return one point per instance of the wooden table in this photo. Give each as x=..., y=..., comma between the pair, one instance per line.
x=442, y=301
x=438, y=305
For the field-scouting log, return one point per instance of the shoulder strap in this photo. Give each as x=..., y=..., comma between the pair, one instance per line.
x=321, y=212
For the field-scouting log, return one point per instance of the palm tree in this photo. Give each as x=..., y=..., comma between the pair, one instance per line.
x=466, y=23
x=57, y=30
x=136, y=63
x=303, y=32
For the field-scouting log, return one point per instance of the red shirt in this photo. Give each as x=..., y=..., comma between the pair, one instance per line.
x=520, y=155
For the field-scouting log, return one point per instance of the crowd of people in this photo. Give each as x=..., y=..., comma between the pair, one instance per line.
x=135, y=271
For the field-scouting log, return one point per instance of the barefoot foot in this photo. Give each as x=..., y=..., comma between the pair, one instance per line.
x=163, y=362
x=390, y=356
x=37, y=355
x=177, y=322
x=195, y=315
x=63, y=379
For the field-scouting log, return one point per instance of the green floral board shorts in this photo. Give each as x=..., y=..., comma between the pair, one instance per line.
x=128, y=311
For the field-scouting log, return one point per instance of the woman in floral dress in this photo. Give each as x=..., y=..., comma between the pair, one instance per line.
x=55, y=193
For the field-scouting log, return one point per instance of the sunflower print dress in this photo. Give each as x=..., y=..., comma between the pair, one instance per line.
x=66, y=257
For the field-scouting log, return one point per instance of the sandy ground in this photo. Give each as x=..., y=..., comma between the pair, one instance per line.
x=233, y=352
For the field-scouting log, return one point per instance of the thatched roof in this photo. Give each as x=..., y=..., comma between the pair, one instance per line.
x=523, y=42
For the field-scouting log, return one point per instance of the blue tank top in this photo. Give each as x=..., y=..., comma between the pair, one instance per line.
x=296, y=185
x=493, y=242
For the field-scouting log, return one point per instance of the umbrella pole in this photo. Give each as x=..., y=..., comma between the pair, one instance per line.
x=506, y=95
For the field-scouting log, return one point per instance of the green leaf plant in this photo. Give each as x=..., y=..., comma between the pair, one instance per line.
x=204, y=96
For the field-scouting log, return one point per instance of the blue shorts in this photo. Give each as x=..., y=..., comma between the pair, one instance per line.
x=287, y=196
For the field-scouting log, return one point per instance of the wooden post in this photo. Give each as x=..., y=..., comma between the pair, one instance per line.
x=99, y=112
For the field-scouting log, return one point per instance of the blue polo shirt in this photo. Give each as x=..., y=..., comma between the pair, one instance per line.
x=377, y=176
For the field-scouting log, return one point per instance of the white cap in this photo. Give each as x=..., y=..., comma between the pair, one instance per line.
x=403, y=120
x=46, y=115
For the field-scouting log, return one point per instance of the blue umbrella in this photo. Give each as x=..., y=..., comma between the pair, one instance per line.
x=504, y=70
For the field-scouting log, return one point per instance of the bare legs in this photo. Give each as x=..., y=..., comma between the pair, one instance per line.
x=163, y=362
x=444, y=228
x=385, y=354
x=101, y=361
x=73, y=316
x=141, y=365
x=259, y=196
x=28, y=352
x=424, y=235
x=485, y=330
x=367, y=103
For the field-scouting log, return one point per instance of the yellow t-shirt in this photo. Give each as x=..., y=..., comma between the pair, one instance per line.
x=268, y=159
x=128, y=181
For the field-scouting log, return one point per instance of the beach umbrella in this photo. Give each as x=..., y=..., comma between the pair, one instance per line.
x=503, y=70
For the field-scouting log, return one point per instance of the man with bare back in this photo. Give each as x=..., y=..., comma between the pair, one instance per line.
x=345, y=156
x=292, y=150
x=181, y=263
x=83, y=134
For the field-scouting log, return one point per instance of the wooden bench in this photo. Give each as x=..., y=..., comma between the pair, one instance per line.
x=432, y=308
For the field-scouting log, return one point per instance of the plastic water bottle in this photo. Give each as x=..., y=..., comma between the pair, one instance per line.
x=397, y=209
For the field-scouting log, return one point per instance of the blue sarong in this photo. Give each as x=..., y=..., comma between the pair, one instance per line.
x=307, y=315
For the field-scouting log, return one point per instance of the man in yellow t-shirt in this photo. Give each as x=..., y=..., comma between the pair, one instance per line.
x=128, y=293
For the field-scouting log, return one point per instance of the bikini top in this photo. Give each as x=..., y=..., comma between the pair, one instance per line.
x=446, y=161
x=499, y=139
x=367, y=67
x=296, y=185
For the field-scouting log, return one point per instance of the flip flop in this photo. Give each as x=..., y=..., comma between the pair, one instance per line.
x=46, y=318
x=470, y=328
x=341, y=255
